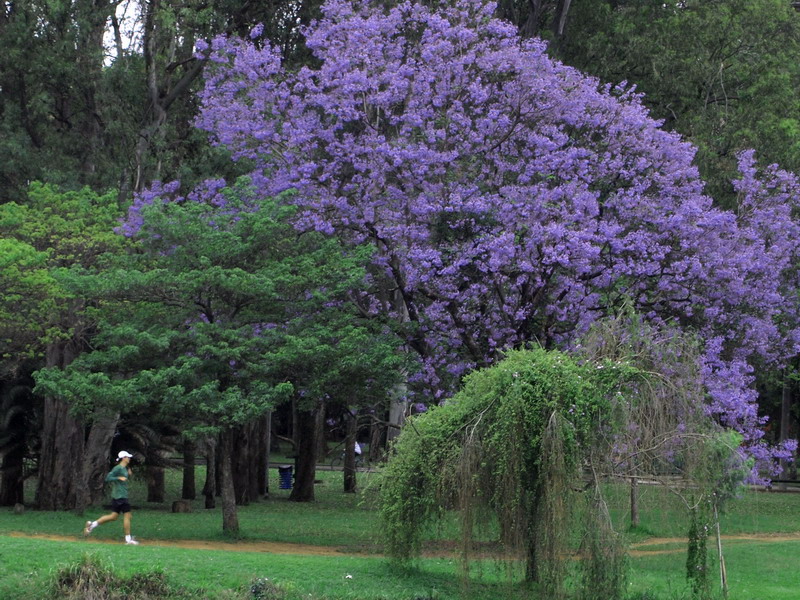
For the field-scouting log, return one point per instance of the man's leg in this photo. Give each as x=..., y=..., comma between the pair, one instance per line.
x=126, y=525
x=90, y=525
x=106, y=518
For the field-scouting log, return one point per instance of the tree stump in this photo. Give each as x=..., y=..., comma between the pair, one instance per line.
x=181, y=506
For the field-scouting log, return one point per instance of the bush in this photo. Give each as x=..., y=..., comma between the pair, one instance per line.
x=263, y=589
x=92, y=579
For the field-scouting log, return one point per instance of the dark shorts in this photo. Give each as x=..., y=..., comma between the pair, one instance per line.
x=120, y=505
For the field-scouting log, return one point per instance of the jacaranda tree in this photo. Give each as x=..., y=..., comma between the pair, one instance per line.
x=511, y=198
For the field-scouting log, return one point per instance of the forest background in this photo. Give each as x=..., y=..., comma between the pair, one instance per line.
x=98, y=105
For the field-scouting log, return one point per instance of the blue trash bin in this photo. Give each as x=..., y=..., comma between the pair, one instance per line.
x=285, y=474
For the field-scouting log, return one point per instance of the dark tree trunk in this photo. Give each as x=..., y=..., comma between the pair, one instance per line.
x=786, y=421
x=240, y=459
x=309, y=427
x=322, y=439
x=155, y=479
x=188, y=490
x=210, y=487
x=218, y=468
x=15, y=411
x=274, y=440
x=96, y=458
x=377, y=441
x=263, y=454
x=60, y=459
x=249, y=459
x=230, y=519
x=92, y=17
x=254, y=460
x=60, y=474
x=11, y=476
x=350, y=454
x=634, y=502
x=164, y=87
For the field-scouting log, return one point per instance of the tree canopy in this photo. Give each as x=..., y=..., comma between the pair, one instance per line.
x=222, y=312
x=721, y=72
x=510, y=198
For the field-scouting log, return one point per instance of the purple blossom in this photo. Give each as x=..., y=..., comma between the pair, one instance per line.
x=510, y=198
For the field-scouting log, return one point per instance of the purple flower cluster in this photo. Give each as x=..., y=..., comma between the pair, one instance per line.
x=510, y=198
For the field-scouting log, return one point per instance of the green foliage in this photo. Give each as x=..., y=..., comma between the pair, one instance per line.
x=40, y=238
x=511, y=445
x=508, y=444
x=346, y=524
x=92, y=578
x=28, y=300
x=604, y=561
x=697, y=557
x=263, y=589
x=723, y=73
x=222, y=312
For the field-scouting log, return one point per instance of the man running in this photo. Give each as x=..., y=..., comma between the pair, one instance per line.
x=118, y=477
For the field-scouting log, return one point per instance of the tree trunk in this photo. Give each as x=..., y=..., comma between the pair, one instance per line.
x=62, y=437
x=265, y=440
x=96, y=459
x=634, y=502
x=11, y=476
x=249, y=460
x=309, y=426
x=210, y=487
x=155, y=482
x=397, y=414
x=92, y=17
x=218, y=468
x=240, y=460
x=230, y=519
x=350, y=454
x=60, y=459
x=377, y=441
x=785, y=425
x=274, y=439
x=188, y=489
x=164, y=87
x=15, y=414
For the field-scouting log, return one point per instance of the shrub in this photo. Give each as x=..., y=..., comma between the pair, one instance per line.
x=93, y=579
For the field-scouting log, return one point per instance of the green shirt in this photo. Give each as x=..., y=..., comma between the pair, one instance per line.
x=119, y=489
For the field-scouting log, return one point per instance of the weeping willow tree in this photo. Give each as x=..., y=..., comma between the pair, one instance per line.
x=529, y=443
x=508, y=447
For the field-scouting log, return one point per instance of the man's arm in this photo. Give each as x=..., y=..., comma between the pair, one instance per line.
x=115, y=474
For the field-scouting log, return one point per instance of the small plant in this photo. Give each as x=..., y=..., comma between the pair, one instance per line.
x=697, y=557
x=93, y=579
x=263, y=589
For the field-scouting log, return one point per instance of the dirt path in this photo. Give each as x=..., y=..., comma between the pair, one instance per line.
x=640, y=548
x=637, y=549
x=269, y=547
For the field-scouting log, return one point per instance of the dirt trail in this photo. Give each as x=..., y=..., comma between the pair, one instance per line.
x=270, y=547
x=637, y=549
x=640, y=548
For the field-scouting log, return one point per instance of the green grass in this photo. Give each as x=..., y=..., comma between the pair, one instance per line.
x=756, y=571
x=664, y=515
x=334, y=519
x=349, y=522
x=27, y=563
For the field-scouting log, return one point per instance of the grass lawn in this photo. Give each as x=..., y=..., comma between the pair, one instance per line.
x=349, y=523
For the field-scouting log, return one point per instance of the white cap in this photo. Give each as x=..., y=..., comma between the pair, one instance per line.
x=124, y=454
